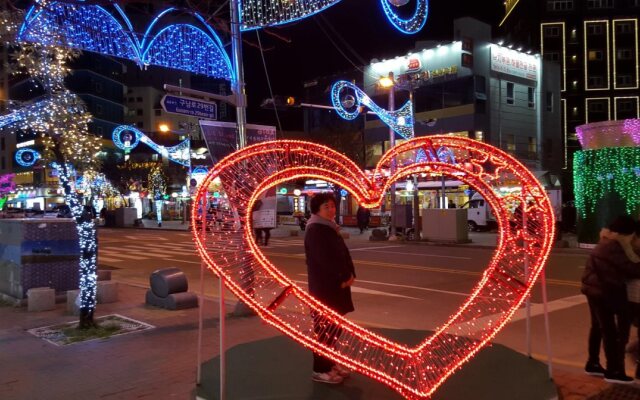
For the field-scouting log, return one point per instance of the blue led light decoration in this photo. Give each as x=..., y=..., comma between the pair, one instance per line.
x=27, y=157
x=255, y=14
x=179, y=153
x=411, y=25
x=187, y=47
x=400, y=120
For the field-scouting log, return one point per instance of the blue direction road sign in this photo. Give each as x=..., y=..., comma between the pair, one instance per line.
x=189, y=106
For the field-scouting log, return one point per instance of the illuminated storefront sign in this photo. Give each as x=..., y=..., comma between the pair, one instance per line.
x=514, y=63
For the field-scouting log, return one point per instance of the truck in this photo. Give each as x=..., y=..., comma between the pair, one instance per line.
x=481, y=217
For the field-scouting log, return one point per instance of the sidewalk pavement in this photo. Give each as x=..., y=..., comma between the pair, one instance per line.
x=161, y=363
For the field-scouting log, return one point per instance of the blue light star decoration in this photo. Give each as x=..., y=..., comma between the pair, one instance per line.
x=179, y=153
x=255, y=14
x=193, y=47
x=400, y=120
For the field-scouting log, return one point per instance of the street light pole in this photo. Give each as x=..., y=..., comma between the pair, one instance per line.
x=392, y=144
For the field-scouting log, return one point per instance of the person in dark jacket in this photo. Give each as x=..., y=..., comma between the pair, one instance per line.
x=330, y=275
x=363, y=215
x=604, y=283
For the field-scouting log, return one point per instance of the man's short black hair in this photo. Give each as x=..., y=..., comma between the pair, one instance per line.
x=624, y=225
x=319, y=199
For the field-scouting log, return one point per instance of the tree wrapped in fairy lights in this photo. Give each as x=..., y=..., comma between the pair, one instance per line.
x=62, y=122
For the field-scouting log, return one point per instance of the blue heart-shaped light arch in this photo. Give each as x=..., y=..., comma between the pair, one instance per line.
x=189, y=47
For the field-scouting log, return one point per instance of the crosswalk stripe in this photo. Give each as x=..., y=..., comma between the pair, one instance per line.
x=119, y=254
x=167, y=248
x=107, y=259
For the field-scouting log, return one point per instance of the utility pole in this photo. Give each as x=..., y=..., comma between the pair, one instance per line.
x=392, y=144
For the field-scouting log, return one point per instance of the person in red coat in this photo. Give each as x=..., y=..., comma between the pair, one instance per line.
x=330, y=276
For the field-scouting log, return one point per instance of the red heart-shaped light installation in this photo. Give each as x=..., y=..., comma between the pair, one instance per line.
x=526, y=227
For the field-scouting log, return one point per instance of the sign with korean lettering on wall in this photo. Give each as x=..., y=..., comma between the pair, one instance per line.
x=514, y=63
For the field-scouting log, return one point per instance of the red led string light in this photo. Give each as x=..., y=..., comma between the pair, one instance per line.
x=229, y=249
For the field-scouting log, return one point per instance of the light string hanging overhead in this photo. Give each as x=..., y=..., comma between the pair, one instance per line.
x=257, y=14
x=229, y=249
x=189, y=47
x=400, y=120
x=179, y=153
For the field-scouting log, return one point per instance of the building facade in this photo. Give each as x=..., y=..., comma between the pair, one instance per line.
x=595, y=43
x=476, y=88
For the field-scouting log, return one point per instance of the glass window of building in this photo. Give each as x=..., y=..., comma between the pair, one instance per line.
x=139, y=112
x=531, y=97
x=559, y=5
x=593, y=4
x=596, y=55
x=552, y=56
x=158, y=112
x=596, y=106
x=551, y=31
x=596, y=81
x=510, y=94
x=623, y=27
x=594, y=29
x=626, y=108
x=624, y=81
x=550, y=101
x=624, y=54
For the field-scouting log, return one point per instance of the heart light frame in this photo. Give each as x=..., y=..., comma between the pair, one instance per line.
x=526, y=226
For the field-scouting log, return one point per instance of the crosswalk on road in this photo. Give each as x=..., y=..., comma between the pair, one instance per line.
x=138, y=250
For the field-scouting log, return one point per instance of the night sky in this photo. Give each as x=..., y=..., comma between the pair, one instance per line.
x=359, y=24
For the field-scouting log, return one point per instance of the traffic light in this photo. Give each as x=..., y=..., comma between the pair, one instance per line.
x=280, y=102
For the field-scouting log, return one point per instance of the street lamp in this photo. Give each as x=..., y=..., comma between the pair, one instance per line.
x=389, y=82
x=163, y=128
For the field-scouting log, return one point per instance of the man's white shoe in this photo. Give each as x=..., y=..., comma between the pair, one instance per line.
x=327, y=377
x=341, y=371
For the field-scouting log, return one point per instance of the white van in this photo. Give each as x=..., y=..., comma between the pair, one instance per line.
x=479, y=214
x=481, y=217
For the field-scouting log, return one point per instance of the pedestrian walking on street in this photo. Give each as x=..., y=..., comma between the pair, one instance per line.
x=330, y=276
x=604, y=283
x=363, y=215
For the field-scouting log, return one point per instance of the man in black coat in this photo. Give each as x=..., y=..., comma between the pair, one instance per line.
x=330, y=275
x=610, y=265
